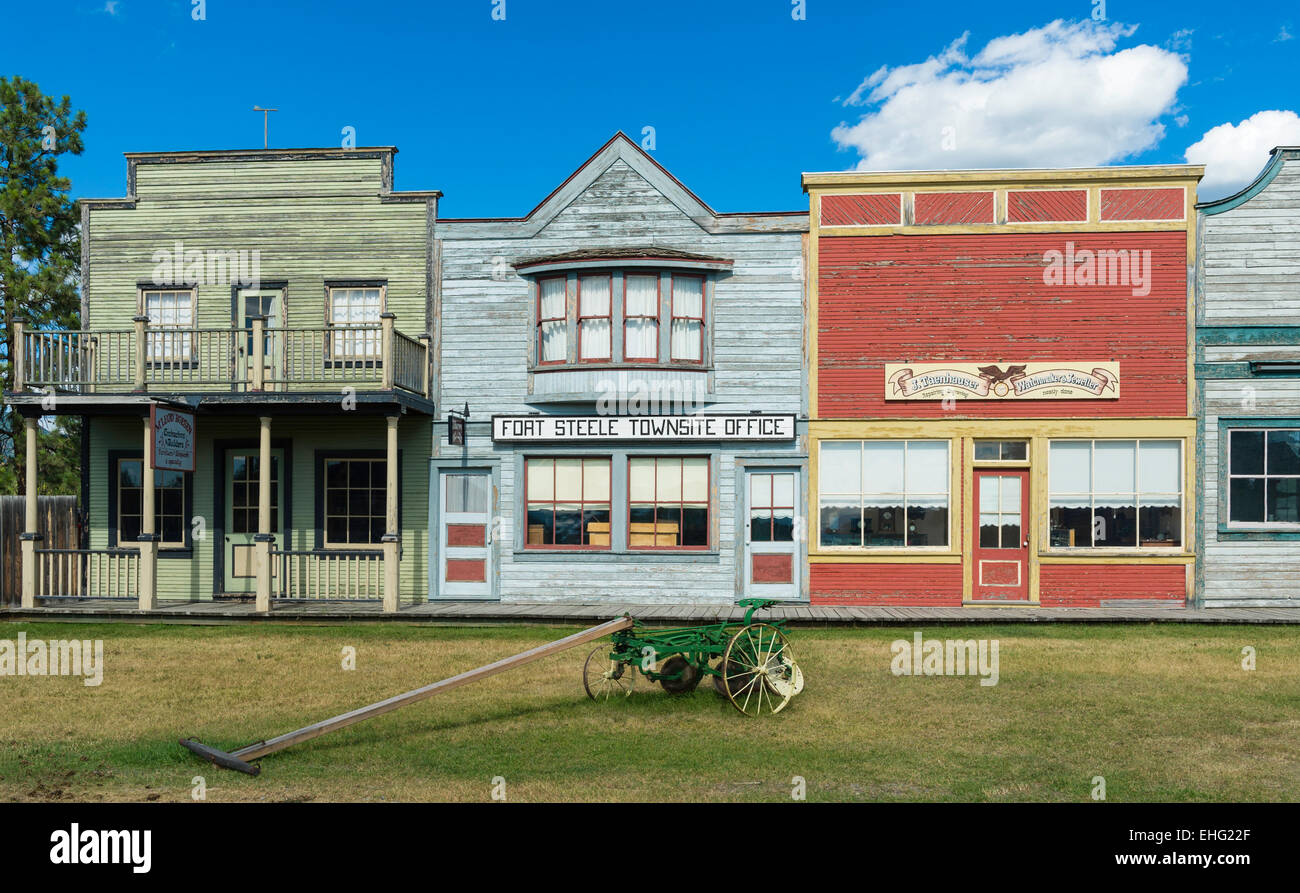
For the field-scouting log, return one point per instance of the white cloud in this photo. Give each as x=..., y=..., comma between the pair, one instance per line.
x=1283, y=35
x=1234, y=154
x=1059, y=95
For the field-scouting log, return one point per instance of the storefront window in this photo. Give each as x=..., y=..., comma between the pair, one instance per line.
x=356, y=502
x=1115, y=493
x=169, y=510
x=668, y=500
x=1264, y=476
x=568, y=503
x=884, y=493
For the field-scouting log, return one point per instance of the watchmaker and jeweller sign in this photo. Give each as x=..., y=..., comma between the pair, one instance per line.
x=1002, y=381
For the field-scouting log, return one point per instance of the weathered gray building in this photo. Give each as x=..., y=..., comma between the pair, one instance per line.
x=632, y=363
x=1248, y=372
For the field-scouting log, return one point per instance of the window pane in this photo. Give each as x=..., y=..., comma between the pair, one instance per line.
x=568, y=480
x=695, y=526
x=760, y=490
x=987, y=449
x=595, y=480
x=595, y=339
x=553, y=295
x=1160, y=466
x=1015, y=450
x=840, y=467
x=1115, y=466
x=882, y=466
x=1284, y=452
x=688, y=296
x=129, y=473
x=1283, y=500
x=1070, y=466
x=1246, y=499
x=927, y=521
x=989, y=502
x=541, y=477
x=641, y=341
x=988, y=531
x=540, y=528
x=695, y=480
x=1160, y=523
x=642, y=295
x=783, y=525
x=1114, y=523
x=927, y=466
x=568, y=525
x=883, y=522
x=669, y=481
x=641, y=479
x=1247, y=448
x=841, y=523
x=467, y=492
x=760, y=526
x=1071, y=523
x=593, y=296
x=1011, y=495
x=555, y=344
x=687, y=343
x=783, y=490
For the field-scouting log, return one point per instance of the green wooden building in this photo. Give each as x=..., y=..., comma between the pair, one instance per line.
x=285, y=299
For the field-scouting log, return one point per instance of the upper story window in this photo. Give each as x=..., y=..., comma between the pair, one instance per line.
x=688, y=319
x=354, y=315
x=1264, y=477
x=169, y=310
x=623, y=306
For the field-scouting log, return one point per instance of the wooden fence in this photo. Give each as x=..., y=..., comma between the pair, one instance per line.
x=56, y=521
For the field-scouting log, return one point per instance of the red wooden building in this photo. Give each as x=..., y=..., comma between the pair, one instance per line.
x=1000, y=387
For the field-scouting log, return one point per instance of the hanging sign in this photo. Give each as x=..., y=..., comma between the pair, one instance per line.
x=1006, y=381
x=173, y=438
x=541, y=429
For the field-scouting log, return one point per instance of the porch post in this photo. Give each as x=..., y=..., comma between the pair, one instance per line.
x=20, y=356
x=392, y=539
x=386, y=349
x=31, y=531
x=259, y=349
x=148, y=539
x=264, y=539
x=141, y=350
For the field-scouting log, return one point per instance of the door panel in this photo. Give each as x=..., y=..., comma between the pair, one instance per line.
x=1001, y=552
x=465, y=568
x=771, y=506
x=242, y=485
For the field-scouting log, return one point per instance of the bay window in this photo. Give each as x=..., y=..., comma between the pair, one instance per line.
x=668, y=502
x=884, y=493
x=1115, y=493
x=1264, y=477
x=641, y=317
x=552, y=321
x=687, y=332
x=568, y=503
x=594, y=334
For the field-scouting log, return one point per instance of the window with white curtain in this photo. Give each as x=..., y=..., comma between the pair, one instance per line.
x=552, y=321
x=354, y=317
x=594, y=317
x=883, y=493
x=170, y=314
x=641, y=317
x=1115, y=493
x=687, y=333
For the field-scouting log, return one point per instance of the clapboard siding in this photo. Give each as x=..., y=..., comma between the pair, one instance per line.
x=757, y=352
x=310, y=221
x=179, y=578
x=1249, y=311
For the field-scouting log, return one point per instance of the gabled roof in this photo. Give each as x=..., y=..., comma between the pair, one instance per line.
x=620, y=147
x=1278, y=156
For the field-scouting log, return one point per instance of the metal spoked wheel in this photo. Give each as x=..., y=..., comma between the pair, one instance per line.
x=760, y=675
x=604, y=678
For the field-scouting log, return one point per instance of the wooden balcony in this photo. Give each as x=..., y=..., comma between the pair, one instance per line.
x=260, y=359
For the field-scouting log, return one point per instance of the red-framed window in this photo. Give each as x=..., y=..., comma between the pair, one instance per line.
x=552, y=321
x=641, y=317
x=668, y=502
x=567, y=502
x=687, y=328
x=595, y=318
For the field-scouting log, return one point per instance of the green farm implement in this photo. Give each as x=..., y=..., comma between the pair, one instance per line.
x=751, y=664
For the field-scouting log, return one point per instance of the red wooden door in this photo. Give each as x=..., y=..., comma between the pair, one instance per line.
x=1001, y=551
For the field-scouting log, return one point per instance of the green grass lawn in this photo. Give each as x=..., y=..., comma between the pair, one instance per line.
x=1162, y=712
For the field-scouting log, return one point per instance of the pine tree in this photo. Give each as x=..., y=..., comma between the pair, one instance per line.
x=40, y=248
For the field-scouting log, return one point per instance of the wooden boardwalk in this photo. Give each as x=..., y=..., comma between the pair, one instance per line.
x=218, y=612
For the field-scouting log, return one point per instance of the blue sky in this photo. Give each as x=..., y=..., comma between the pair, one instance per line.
x=742, y=95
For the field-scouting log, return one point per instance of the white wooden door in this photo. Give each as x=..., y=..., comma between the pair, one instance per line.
x=465, y=566
x=771, y=556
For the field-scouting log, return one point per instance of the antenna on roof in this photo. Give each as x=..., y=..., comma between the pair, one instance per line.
x=265, y=116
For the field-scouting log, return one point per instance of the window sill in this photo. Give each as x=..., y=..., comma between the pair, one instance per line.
x=647, y=365
x=1084, y=553
x=1228, y=534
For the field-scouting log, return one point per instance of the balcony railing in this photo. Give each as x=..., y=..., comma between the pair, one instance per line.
x=257, y=359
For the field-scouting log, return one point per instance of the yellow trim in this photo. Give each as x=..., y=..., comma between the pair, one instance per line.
x=872, y=558
x=1139, y=558
x=966, y=228
x=814, y=253
x=883, y=429
x=1135, y=175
